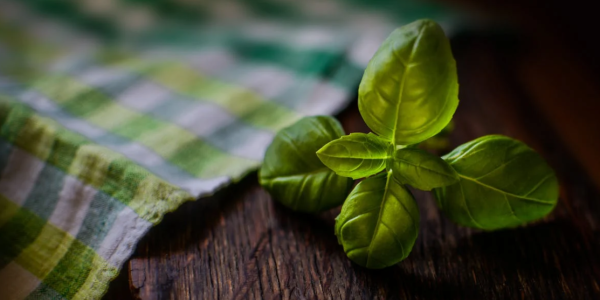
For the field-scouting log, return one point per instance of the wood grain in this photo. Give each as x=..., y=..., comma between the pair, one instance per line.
x=558, y=69
x=240, y=244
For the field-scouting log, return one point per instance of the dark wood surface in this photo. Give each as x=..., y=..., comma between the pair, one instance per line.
x=240, y=244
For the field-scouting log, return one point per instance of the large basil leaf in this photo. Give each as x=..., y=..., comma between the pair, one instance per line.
x=409, y=90
x=294, y=175
x=503, y=183
x=356, y=155
x=421, y=169
x=379, y=222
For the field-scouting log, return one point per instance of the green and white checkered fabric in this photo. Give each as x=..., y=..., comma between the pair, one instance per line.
x=113, y=113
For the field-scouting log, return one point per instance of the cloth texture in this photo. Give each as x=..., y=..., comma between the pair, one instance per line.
x=113, y=113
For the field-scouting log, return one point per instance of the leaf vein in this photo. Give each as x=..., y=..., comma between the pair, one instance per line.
x=422, y=167
x=387, y=181
x=540, y=183
x=511, y=209
x=462, y=192
x=356, y=217
x=505, y=192
x=295, y=147
x=496, y=168
x=401, y=90
x=394, y=234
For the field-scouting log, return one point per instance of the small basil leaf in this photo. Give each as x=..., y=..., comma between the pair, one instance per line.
x=294, y=175
x=409, y=90
x=421, y=169
x=503, y=183
x=356, y=155
x=379, y=222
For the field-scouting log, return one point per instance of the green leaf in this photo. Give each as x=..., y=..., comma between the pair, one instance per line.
x=409, y=90
x=421, y=169
x=379, y=222
x=294, y=175
x=440, y=141
x=503, y=183
x=356, y=155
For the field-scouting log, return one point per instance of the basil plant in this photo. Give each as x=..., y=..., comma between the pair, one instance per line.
x=408, y=94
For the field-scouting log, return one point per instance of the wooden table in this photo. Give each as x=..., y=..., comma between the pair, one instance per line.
x=240, y=244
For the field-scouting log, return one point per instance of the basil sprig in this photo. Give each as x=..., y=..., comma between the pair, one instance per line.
x=408, y=94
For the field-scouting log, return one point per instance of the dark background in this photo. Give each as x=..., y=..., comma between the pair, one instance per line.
x=538, y=82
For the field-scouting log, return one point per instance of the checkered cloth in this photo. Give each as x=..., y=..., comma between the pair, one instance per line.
x=114, y=113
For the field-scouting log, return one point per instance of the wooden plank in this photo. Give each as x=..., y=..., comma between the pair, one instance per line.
x=557, y=65
x=240, y=244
